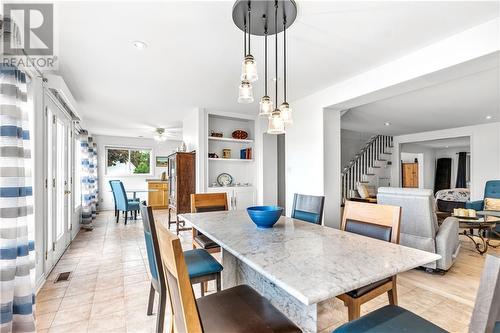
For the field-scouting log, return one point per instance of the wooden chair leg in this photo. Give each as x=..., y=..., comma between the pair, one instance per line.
x=218, y=281
x=354, y=310
x=160, y=320
x=205, y=286
x=202, y=289
x=126, y=215
x=393, y=293
x=151, y=301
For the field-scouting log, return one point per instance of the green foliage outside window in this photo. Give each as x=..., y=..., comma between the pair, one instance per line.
x=138, y=161
x=141, y=161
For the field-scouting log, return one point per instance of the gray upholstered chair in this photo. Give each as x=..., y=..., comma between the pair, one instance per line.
x=308, y=208
x=419, y=226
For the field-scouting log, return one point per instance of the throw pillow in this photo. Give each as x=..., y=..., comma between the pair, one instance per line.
x=372, y=192
x=491, y=204
x=363, y=192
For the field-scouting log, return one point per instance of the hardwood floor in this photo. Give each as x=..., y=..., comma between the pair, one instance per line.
x=109, y=285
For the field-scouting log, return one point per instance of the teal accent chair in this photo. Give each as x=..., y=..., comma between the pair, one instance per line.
x=202, y=267
x=308, y=208
x=122, y=202
x=114, y=197
x=491, y=190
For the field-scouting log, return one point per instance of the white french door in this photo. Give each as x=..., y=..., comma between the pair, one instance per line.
x=59, y=181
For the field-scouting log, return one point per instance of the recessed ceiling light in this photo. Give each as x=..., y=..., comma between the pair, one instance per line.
x=488, y=117
x=140, y=45
x=387, y=123
x=447, y=146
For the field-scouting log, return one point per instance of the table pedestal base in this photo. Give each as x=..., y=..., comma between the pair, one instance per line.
x=310, y=318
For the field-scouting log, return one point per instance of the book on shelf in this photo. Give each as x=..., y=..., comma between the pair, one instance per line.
x=246, y=154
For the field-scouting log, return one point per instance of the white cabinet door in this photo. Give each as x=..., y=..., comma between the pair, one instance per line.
x=229, y=192
x=243, y=198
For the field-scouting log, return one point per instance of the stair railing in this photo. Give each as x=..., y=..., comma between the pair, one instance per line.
x=361, y=164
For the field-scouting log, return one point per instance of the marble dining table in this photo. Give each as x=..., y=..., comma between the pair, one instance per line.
x=299, y=266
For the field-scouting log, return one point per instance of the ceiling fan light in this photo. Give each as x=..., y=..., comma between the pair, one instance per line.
x=265, y=106
x=249, y=69
x=286, y=113
x=245, y=92
x=276, y=124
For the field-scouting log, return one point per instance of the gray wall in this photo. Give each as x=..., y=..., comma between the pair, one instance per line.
x=281, y=171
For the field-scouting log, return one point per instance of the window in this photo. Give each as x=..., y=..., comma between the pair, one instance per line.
x=128, y=161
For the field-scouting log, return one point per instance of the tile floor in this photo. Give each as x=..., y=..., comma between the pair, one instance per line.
x=109, y=285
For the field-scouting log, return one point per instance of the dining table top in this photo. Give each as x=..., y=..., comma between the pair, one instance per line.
x=313, y=263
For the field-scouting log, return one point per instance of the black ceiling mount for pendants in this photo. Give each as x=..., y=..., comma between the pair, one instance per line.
x=263, y=9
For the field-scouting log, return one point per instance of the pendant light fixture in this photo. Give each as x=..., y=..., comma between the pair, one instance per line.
x=265, y=25
x=266, y=104
x=245, y=91
x=276, y=124
x=286, y=110
x=249, y=66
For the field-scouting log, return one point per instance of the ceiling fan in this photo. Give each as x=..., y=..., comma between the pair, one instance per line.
x=162, y=134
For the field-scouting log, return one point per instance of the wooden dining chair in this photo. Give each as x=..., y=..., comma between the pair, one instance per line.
x=207, y=202
x=375, y=221
x=237, y=309
x=201, y=266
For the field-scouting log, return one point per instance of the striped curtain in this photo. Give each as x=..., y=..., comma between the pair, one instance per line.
x=89, y=180
x=16, y=205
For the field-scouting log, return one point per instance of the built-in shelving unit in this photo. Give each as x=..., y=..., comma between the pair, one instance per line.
x=230, y=139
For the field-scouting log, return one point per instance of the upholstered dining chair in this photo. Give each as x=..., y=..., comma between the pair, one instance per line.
x=308, y=208
x=237, y=309
x=114, y=197
x=491, y=191
x=375, y=221
x=122, y=202
x=207, y=202
x=394, y=319
x=201, y=266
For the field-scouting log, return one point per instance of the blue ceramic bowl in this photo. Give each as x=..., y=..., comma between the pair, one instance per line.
x=264, y=216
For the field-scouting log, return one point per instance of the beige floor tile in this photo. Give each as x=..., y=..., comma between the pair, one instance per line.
x=109, y=306
x=106, y=323
x=74, y=314
x=74, y=327
x=48, y=306
x=48, y=294
x=109, y=293
x=43, y=321
x=135, y=278
x=77, y=300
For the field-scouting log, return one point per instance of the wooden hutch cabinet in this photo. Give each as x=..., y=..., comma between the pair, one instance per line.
x=182, y=183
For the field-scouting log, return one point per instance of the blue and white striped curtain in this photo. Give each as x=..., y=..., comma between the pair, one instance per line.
x=16, y=205
x=89, y=180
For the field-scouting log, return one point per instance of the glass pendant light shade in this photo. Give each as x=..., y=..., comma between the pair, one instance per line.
x=286, y=113
x=265, y=106
x=276, y=124
x=245, y=92
x=249, y=69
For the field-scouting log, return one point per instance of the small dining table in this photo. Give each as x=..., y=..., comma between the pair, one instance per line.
x=299, y=266
x=135, y=191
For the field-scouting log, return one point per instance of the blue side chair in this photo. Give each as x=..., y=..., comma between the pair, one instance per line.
x=202, y=267
x=114, y=197
x=308, y=208
x=491, y=190
x=122, y=203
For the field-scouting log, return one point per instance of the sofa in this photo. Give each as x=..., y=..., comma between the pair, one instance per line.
x=419, y=227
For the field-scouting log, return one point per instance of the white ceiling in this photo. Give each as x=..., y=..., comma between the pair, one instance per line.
x=463, y=141
x=195, y=52
x=460, y=102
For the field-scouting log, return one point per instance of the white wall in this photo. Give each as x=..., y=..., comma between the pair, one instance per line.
x=484, y=149
x=132, y=181
x=351, y=143
x=270, y=174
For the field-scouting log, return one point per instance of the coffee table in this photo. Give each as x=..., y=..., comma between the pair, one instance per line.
x=480, y=240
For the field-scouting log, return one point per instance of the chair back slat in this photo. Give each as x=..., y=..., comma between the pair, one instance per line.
x=208, y=202
x=119, y=194
x=487, y=307
x=180, y=292
x=376, y=221
x=308, y=208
